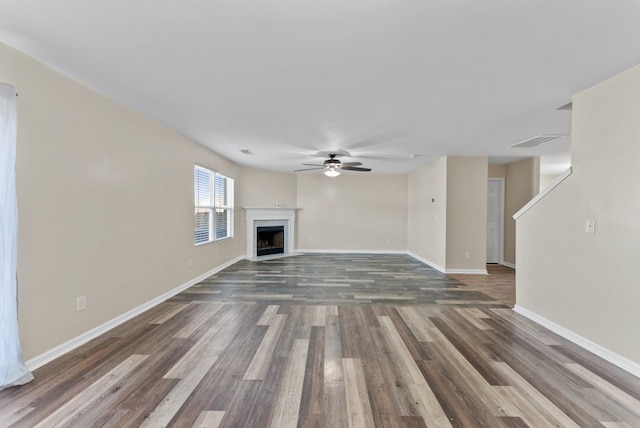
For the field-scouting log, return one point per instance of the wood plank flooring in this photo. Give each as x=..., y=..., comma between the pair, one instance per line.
x=327, y=341
x=339, y=280
x=499, y=284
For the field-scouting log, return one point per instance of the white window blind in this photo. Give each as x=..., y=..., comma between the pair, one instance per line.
x=213, y=205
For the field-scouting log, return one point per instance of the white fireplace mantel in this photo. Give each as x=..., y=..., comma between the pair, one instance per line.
x=272, y=216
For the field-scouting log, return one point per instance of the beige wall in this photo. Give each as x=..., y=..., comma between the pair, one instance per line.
x=498, y=171
x=262, y=188
x=448, y=213
x=522, y=183
x=588, y=283
x=546, y=179
x=106, y=207
x=427, y=224
x=105, y=200
x=466, y=212
x=352, y=212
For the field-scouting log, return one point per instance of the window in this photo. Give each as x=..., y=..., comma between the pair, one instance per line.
x=213, y=205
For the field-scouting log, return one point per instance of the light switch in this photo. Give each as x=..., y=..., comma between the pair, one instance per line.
x=590, y=226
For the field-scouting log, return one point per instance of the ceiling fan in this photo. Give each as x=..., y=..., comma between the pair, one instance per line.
x=333, y=165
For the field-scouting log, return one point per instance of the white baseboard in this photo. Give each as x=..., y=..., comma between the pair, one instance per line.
x=507, y=264
x=415, y=256
x=52, y=354
x=447, y=271
x=615, y=359
x=467, y=271
x=426, y=262
x=351, y=251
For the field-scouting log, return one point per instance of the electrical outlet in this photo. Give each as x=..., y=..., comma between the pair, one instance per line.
x=467, y=255
x=190, y=262
x=590, y=226
x=81, y=303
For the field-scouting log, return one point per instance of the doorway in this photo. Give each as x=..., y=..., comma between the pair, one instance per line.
x=495, y=220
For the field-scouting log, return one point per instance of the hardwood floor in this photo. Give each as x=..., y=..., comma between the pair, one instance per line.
x=327, y=341
x=500, y=283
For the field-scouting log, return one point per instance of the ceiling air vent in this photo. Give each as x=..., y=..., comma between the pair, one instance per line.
x=536, y=141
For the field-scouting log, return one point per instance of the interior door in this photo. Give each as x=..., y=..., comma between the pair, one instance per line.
x=495, y=220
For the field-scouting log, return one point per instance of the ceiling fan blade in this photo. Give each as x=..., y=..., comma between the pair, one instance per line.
x=350, y=164
x=312, y=164
x=356, y=168
x=308, y=169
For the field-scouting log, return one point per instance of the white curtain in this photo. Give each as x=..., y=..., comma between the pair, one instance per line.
x=12, y=368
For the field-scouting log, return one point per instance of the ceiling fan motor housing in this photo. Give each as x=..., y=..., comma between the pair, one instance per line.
x=332, y=164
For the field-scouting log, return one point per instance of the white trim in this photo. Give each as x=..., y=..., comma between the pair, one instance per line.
x=426, y=262
x=52, y=354
x=229, y=207
x=507, y=264
x=286, y=216
x=501, y=228
x=409, y=253
x=352, y=251
x=447, y=271
x=618, y=360
x=543, y=193
x=467, y=271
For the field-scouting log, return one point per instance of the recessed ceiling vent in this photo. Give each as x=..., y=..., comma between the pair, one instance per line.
x=536, y=141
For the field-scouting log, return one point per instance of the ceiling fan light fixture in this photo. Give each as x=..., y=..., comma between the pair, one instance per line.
x=333, y=165
x=332, y=172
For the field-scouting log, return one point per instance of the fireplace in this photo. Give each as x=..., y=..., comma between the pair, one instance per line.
x=276, y=221
x=269, y=240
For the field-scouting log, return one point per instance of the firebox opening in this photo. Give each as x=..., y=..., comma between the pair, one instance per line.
x=270, y=240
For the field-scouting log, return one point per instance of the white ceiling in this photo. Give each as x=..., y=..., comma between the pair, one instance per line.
x=382, y=79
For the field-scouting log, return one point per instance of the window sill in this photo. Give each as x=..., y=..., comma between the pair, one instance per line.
x=213, y=241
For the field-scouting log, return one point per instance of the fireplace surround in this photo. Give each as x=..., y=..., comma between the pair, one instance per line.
x=256, y=217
